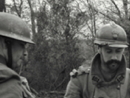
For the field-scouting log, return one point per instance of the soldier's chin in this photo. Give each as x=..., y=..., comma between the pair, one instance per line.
x=113, y=67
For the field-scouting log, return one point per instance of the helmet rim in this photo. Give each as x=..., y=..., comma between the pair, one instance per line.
x=15, y=36
x=111, y=43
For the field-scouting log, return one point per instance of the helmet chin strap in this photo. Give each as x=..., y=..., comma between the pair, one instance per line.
x=9, y=53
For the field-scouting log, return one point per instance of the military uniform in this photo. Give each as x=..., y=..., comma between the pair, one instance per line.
x=89, y=83
x=27, y=91
x=10, y=83
x=13, y=29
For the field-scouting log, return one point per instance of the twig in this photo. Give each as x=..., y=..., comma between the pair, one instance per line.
x=61, y=83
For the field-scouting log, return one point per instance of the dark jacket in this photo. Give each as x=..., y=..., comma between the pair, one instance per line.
x=90, y=83
x=10, y=83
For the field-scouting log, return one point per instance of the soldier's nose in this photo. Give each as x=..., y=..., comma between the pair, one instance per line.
x=114, y=57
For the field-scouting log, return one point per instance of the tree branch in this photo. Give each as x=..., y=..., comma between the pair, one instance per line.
x=61, y=83
x=20, y=7
x=125, y=6
x=17, y=11
x=117, y=8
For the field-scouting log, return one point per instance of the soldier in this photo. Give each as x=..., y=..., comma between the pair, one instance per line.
x=108, y=76
x=14, y=37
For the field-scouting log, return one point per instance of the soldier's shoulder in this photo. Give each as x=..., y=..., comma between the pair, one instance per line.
x=82, y=70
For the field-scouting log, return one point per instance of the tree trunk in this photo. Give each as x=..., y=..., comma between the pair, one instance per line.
x=32, y=17
x=2, y=6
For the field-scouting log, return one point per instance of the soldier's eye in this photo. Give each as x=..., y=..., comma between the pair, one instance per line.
x=108, y=51
x=118, y=51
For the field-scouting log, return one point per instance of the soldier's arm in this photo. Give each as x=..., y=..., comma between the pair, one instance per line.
x=73, y=89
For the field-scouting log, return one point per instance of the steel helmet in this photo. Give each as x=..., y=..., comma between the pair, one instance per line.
x=112, y=35
x=12, y=26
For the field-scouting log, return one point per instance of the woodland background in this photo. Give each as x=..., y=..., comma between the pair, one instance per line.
x=63, y=32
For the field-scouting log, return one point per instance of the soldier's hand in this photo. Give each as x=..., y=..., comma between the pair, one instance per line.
x=73, y=73
x=81, y=70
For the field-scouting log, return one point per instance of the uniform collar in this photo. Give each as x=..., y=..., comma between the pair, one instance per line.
x=97, y=76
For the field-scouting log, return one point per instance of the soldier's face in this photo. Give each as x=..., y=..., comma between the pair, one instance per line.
x=111, y=56
x=18, y=54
